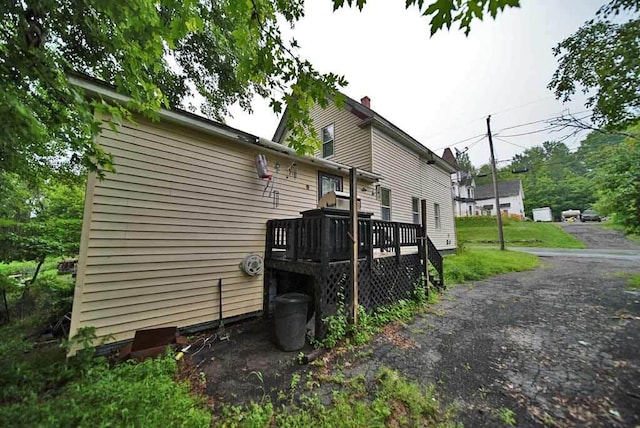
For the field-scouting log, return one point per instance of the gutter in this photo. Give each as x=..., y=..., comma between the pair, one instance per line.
x=97, y=88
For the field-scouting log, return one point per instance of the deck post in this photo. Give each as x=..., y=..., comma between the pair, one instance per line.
x=398, y=241
x=355, y=242
x=266, y=275
x=424, y=254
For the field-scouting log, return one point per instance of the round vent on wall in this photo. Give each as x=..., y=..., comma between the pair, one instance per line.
x=252, y=264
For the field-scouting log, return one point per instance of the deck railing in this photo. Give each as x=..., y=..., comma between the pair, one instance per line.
x=302, y=238
x=327, y=239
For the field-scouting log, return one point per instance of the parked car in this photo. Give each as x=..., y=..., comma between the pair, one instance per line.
x=590, y=215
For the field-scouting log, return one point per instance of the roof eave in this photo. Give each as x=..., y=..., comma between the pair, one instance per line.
x=96, y=88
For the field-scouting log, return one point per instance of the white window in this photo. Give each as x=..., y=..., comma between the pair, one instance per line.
x=415, y=210
x=385, y=203
x=327, y=141
x=328, y=183
x=436, y=215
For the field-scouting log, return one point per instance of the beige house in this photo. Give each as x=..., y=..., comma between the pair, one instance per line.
x=357, y=135
x=168, y=230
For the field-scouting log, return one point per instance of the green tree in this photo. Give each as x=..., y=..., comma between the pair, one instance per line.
x=17, y=202
x=602, y=59
x=61, y=200
x=464, y=164
x=618, y=182
x=589, y=151
x=555, y=178
x=159, y=52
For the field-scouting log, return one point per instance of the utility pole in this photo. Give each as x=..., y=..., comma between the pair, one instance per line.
x=495, y=184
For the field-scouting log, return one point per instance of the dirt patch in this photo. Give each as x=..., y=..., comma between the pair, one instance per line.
x=392, y=333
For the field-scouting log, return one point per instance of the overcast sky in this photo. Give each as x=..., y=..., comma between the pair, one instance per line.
x=440, y=89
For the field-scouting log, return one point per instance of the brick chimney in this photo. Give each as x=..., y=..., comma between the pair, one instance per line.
x=365, y=101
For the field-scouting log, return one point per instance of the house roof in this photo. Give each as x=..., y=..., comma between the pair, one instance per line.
x=96, y=87
x=466, y=179
x=448, y=156
x=505, y=189
x=369, y=116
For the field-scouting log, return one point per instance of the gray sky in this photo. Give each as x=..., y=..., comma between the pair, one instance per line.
x=441, y=89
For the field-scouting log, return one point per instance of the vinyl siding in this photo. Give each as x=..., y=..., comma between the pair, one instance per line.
x=352, y=144
x=179, y=215
x=408, y=176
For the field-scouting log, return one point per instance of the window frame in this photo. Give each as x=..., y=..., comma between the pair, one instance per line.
x=332, y=141
x=415, y=210
x=383, y=207
x=437, y=217
x=329, y=176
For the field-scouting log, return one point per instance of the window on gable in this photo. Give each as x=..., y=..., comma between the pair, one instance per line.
x=436, y=215
x=385, y=204
x=415, y=210
x=327, y=141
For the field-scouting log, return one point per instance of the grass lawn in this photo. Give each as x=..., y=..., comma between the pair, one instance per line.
x=476, y=264
x=634, y=282
x=483, y=231
x=41, y=388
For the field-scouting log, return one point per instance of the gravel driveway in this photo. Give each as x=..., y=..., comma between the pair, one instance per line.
x=595, y=236
x=559, y=346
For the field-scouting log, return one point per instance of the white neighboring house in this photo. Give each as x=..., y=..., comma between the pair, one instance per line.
x=462, y=188
x=511, y=198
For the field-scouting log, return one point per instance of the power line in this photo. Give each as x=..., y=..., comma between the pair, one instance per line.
x=516, y=126
x=509, y=142
x=461, y=141
x=551, y=127
x=541, y=120
x=537, y=131
x=522, y=105
x=484, y=116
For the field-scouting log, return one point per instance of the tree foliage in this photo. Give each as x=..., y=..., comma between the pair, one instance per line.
x=602, y=59
x=444, y=13
x=161, y=53
x=603, y=173
x=555, y=178
x=61, y=200
x=618, y=182
x=464, y=163
x=17, y=201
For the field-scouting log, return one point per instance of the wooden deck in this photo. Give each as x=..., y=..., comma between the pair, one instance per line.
x=311, y=255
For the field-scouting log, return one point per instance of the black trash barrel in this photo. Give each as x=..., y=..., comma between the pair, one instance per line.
x=291, y=320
